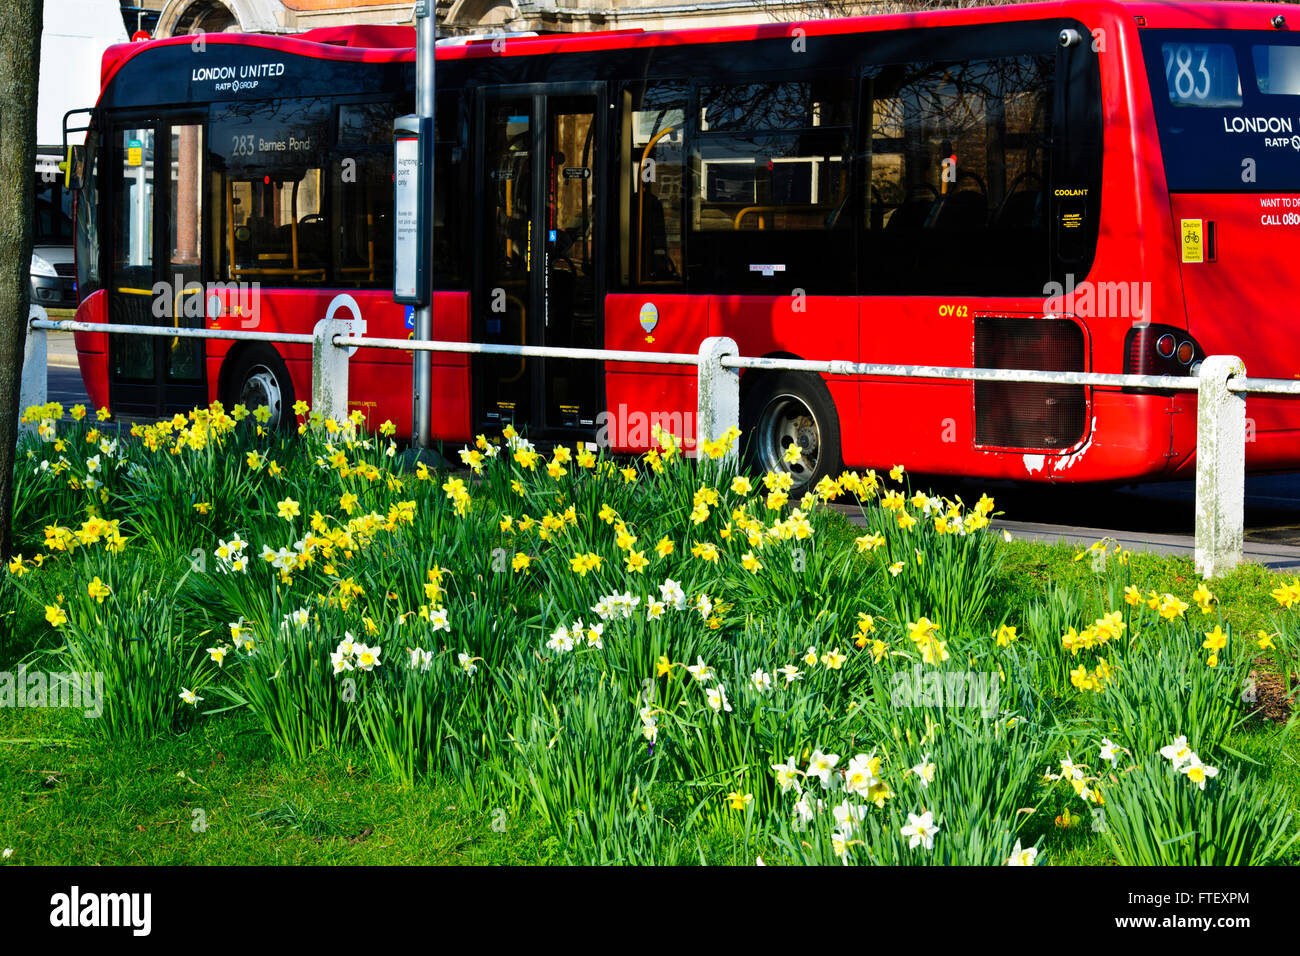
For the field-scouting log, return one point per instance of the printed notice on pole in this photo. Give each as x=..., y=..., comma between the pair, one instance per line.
x=406, y=188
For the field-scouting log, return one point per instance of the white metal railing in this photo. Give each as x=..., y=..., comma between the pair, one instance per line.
x=1221, y=386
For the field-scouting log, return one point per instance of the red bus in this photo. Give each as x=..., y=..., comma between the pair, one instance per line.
x=1094, y=186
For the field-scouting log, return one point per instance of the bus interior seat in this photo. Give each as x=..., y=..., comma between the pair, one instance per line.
x=966, y=209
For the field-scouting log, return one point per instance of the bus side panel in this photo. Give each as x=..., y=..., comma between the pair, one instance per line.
x=92, y=348
x=926, y=425
x=451, y=395
x=638, y=394
x=815, y=328
x=1256, y=239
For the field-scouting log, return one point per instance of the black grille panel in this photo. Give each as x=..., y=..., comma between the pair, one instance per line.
x=1021, y=414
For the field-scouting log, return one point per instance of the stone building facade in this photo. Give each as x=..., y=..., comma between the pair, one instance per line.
x=470, y=17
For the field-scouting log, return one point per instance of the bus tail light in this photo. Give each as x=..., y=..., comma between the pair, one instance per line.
x=1161, y=350
x=1027, y=414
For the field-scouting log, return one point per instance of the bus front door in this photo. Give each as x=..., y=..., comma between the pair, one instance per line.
x=157, y=263
x=541, y=281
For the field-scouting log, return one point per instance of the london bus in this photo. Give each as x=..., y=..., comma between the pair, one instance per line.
x=1095, y=186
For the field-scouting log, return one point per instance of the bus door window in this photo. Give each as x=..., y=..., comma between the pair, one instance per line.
x=133, y=251
x=361, y=175
x=185, y=356
x=571, y=311
x=502, y=307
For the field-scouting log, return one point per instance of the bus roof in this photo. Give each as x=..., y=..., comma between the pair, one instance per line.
x=375, y=44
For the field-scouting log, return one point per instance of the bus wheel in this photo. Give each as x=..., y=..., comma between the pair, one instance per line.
x=785, y=409
x=261, y=378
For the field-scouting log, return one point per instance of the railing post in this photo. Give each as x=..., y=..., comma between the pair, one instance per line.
x=718, y=394
x=33, y=389
x=329, y=370
x=1220, y=466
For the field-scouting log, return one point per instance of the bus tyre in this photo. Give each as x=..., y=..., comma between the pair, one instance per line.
x=782, y=409
x=259, y=377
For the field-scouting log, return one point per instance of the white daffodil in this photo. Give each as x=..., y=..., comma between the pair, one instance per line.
x=1178, y=752
x=920, y=830
x=218, y=654
x=672, y=594
x=1022, y=857
x=190, y=697
x=790, y=673
x=341, y=662
x=467, y=663
x=848, y=815
x=761, y=680
x=561, y=641
x=368, y=657
x=699, y=670
x=924, y=771
x=1109, y=751
x=860, y=776
x=717, y=697
x=822, y=766
x=438, y=618
x=787, y=776
x=1198, y=772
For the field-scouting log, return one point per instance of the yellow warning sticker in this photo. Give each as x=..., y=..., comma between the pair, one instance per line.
x=1193, y=244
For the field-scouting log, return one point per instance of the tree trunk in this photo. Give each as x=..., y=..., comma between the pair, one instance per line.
x=20, y=58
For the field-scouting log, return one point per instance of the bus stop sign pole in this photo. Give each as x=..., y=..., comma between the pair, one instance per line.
x=413, y=217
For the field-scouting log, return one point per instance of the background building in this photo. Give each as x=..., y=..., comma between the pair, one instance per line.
x=460, y=17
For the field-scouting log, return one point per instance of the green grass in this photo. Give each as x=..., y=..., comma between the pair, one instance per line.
x=67, y=801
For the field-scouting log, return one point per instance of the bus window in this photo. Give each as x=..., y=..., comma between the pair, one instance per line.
x=266, y=161
x=1277, y=69
x=362, y=198
x=958, y=177
x=770, y=197
x=1201, y=74
x=653, y=183
x=363, y=209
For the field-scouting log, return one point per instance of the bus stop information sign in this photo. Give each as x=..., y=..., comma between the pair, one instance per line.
x=410, y=277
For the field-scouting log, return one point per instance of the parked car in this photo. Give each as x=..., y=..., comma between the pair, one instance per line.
x=54, y=272
x=54, y=279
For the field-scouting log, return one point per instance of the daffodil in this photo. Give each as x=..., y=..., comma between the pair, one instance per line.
x=1177, y=752
x=98, y=590
x=920, y=830
x=787, y=776
x=1022, y=856
x=822, y=766
x=1198, y=772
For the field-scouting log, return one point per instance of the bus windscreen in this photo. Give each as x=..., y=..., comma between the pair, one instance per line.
x=1227, y=105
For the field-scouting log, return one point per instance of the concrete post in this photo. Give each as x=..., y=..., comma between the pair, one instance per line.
x=329, y=370
x=33, y=389
x=718, y=395
x=1220, y=467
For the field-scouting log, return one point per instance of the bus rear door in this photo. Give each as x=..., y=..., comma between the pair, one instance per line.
x=540, y=280
x=157, y=264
